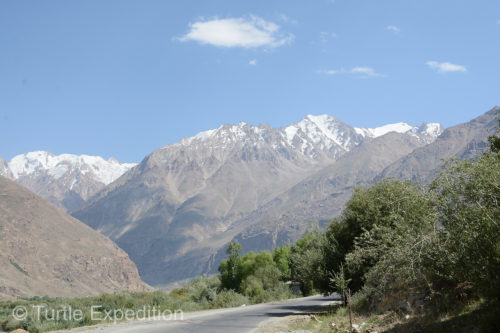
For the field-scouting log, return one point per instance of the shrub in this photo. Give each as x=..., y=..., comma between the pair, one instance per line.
x=229, y=298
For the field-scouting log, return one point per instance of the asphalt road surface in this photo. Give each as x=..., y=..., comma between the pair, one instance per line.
x=242, y=319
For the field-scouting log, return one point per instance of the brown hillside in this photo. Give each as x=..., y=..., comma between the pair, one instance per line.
x=44, y=251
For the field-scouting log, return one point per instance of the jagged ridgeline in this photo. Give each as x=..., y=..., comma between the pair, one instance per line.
x=179, y=208
x=176, y=211
x=66, y=180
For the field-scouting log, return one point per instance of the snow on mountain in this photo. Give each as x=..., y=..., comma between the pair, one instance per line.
x=65, y=180
x=68, y=180
x=307, y=137
x=328, y=131
x=3, y=167
x=382, y=130
x=431, y=129
x=225, y=135
x=426, y=132
x=33, y=163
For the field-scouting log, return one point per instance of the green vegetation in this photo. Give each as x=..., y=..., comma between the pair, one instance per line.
x=48, y=320
x=252, y=278
x=259, y=276
x=416, y=258
x=429, y=251
x=473, y=317
x=201, y=293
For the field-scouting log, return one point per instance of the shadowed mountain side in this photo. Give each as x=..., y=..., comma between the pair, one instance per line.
x=463, y=141
x=44, y=251
x=319, y=198
x=174, y=211
x=180, y=197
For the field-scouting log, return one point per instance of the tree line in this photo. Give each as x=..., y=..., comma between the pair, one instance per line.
x=396, y=244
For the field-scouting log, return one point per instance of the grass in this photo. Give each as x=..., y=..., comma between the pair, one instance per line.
x=476, y=316
x=337, y=315
x=47, y=314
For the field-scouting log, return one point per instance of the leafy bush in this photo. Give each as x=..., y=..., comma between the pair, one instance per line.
x=203, y=290
x=258, y=285
x=229, y=298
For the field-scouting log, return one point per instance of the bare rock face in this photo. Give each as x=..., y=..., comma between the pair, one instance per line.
x=182, y=204
x=45, y=252
x=320, y=197
x=464, y=141
x=177, y=210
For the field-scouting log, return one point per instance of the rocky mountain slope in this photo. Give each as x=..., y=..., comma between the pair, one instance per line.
x=463, y=141
x=176, y=209
x=322, y=195
x=44, y=251
x=64, y=180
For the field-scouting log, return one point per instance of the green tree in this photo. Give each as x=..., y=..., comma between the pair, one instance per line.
x=281, y=256
x=307, y=262
x=374, y=219
x=340, y=283
x=252, y=261
x=230, y=269
x=257, y=285
x=468, y=251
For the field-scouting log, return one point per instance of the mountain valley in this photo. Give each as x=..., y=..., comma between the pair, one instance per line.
x=175, y=212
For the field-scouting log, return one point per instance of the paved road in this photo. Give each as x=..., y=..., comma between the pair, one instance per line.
x=242, y=319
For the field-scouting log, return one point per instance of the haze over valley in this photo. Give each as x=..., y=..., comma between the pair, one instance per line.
x=176, y=211
x=242, y=159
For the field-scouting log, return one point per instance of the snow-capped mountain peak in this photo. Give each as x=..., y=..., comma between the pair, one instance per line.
x=382, y=130
x=66, y=180
x=310, y=136
x=325, y=131
x=427, y=132
x=431, y=129
x=321, y=127
x=33, y=163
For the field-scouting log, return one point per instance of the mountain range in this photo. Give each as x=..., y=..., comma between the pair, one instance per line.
x=175, y=212
x=64, y=180
x=184, y=202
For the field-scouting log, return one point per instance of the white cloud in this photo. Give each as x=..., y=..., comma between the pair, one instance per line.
x=332, y=71
x=446, y=67
x=367, y=71
x=325, y=36
x=363, y=72
x=394, y=29
x=249, y=32
x=253, y=62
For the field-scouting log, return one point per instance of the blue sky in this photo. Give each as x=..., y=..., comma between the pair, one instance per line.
x=122, y=78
